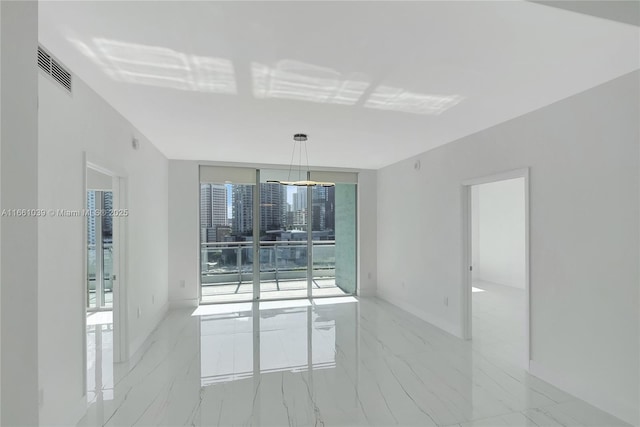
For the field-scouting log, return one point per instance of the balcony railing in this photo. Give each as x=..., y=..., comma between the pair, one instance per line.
x=232, y=262
x=107, y=269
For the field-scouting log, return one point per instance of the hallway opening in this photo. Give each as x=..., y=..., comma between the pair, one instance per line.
x=498, y=266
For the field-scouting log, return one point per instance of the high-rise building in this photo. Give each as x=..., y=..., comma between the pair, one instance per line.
x=107, y=220
x=273, y=208
x=213, y=205
x=300, y=199
x=205, y=203
x=218, y=205
x=330, y=209
x=105, y=202
x=91, y=219
x=323, y=208
x=241, y=207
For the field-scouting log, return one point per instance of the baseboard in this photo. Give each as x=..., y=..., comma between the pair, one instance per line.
x=605, y=400
x=433, y=320
x=79, y=411
x=367, y=292
x=70, y=416
x=481, y=281
x=184, y=303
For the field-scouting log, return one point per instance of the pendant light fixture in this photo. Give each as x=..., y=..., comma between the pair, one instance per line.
x=300, y=139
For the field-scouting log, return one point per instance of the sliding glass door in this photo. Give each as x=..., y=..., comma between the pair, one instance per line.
x=284, y=253
x=226, y=242
x=268, y=241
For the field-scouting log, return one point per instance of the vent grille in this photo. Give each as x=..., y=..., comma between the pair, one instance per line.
x=44, y=60
x=53, y=68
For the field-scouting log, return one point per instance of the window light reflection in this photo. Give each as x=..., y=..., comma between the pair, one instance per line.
x=160, y=66
x=296, y=80
x=287, y=79
x=398, y=99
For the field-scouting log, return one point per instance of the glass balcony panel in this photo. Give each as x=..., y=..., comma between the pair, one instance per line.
x=91, y=276
x=107, y=284
x=334, y=239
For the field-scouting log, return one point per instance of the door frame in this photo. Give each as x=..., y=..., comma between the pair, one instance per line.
x=467, y=283
x=120, y=270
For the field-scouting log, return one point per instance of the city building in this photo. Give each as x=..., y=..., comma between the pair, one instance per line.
x=213, y=205
x=476, y=263
x=213, y=211
x=273, y=208
x=300, y=199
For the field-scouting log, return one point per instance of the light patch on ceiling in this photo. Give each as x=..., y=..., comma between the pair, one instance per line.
x=300, y=81
x=288, y=79
x=398, y=99
x=160, y=66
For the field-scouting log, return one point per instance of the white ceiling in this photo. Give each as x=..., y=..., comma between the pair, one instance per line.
x=370, y=82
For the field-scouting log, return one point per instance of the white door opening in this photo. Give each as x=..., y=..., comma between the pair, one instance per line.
x=497, y=288
x=105, y=232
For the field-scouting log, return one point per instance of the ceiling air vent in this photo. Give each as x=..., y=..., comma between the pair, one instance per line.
x=54, y=69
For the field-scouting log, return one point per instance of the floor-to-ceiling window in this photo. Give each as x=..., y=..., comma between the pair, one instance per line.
x=263, y=240
x=333, y=213
x=226, y=234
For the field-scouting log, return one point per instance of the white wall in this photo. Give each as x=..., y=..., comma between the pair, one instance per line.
x=1, y=139
x=184, y=232
x=68, y=126
x=184, y=205
x=98, y=181
x=367, y=233
x=19, y=180
x=475, y=232
x=498, y=215
x=584, y=187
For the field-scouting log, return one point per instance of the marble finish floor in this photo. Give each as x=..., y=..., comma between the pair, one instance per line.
x=330, y=362
x=499, y=326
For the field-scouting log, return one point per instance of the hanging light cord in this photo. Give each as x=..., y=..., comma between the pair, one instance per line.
x=306, y=152
x=306, y=182
x=293, y=153
x=299, y=160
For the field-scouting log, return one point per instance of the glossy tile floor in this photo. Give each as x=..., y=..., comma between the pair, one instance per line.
x=499, y=327
x=337, y=361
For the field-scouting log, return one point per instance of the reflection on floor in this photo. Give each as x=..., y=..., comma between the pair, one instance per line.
x=499, y=321
x=270, y=290
x=99, y=356
x=364, y=362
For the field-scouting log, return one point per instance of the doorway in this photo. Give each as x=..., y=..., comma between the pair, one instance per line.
x=105, y=226
x=496, y=291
